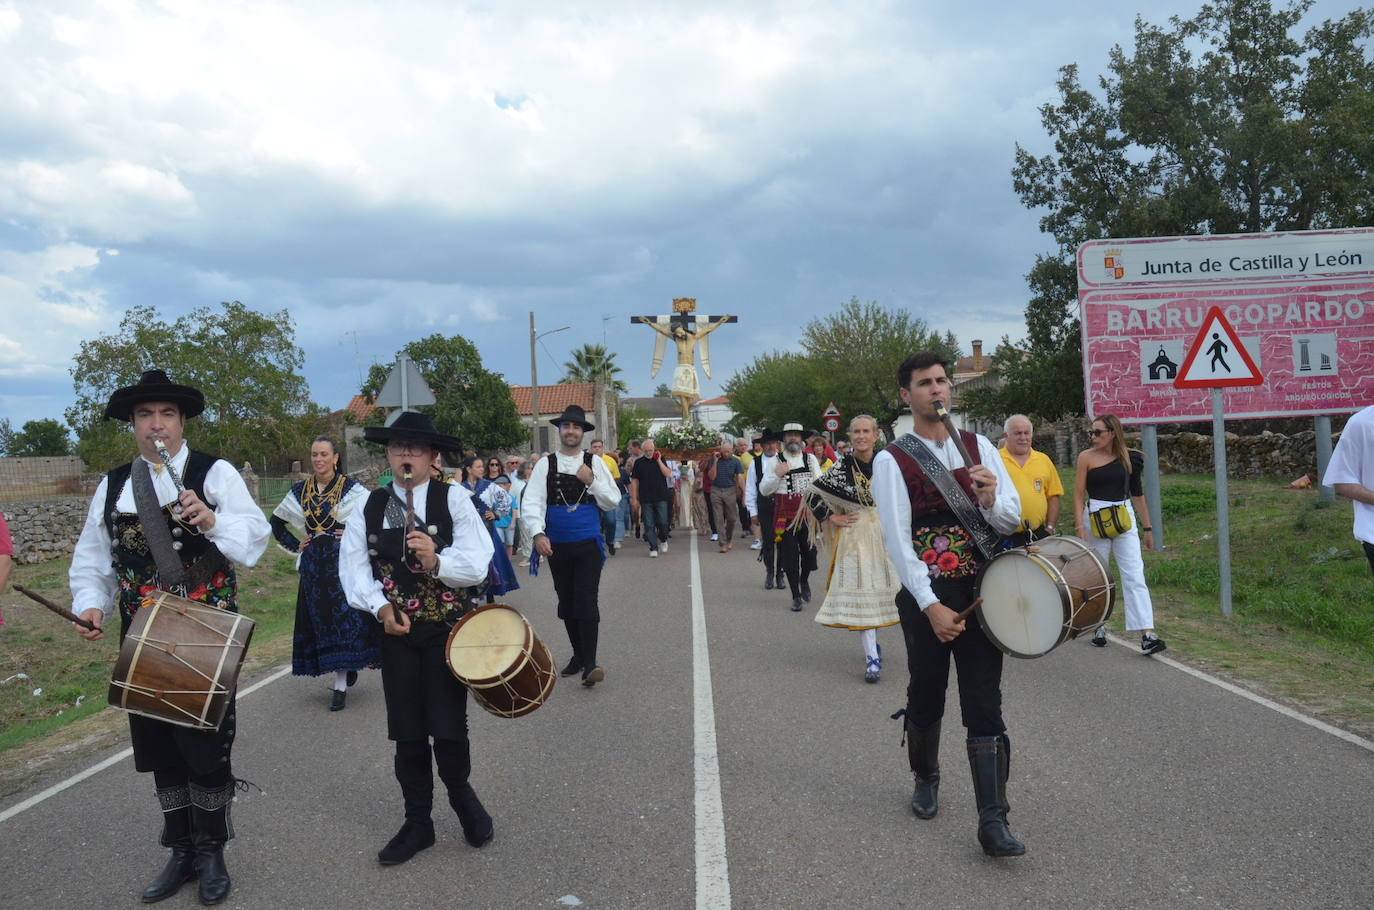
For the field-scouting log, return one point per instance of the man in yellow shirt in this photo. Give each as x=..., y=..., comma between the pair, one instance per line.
x=1036, y=480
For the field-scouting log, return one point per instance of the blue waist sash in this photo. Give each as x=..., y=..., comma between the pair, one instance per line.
x=564, y=526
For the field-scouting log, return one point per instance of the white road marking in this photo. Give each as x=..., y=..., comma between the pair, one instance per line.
x=115, y=759
x=713, y=871
x=1257, y=699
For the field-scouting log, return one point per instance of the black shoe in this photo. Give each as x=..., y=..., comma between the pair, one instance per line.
x=410, y=840
x=180, y=869
x=351, y=678
x=340, y=696
x=1100, y=637
x=574, y=666
x=778, y=581
x=989, y=759
x=796, y=604
x=768, y=582
x=472, y=815
x=214, y=877
x=923, y=754
x=806, y=592
x=593, y=676
x=1151, y=645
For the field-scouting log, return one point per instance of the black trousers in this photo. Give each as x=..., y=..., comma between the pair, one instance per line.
x=978, y=661
x=1369, y=554
x=423, y=698
x=797, y=557
x=768, y=552
x=576, y=571
x=710, y=513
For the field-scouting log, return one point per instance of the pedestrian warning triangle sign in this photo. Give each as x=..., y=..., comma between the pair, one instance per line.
x=1217, y=358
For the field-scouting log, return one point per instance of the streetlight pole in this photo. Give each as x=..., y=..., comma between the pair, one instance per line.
x=534, y=380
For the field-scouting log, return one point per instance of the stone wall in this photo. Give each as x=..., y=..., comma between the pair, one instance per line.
x=45, y=529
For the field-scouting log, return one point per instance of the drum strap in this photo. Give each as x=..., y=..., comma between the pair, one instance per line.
x=170, y=571
x=984, y=537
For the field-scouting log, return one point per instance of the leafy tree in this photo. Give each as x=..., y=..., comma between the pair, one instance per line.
x=776, y=388
x=632, y=422
x=471, y=402
x=6, y=435
x=41, y=437
x=592, y=363
x=663, y=391
x=246, y=362
x=857, y=350
x=1222, y=123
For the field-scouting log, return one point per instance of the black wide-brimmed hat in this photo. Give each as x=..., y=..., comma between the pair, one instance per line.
x=413, y=426
x=573, y=413
x=769, y=436
x=154, y=385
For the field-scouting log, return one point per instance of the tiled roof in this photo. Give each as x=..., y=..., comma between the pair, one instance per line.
x=554, y=398
x=724, y=399
x=361, y=407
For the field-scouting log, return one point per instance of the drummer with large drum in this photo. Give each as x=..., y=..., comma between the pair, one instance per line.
x=941, y=522
x=144, y=533
x=419, y=545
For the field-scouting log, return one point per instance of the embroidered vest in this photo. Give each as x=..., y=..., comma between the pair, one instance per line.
x=936, y=535
x=132, y=560
x=422, y=596
x=566, y=489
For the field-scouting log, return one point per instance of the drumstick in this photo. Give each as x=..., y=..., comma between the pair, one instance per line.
x=60, y=611
x=966, y=613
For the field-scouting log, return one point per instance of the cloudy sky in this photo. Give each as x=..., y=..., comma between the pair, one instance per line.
x=389, y=170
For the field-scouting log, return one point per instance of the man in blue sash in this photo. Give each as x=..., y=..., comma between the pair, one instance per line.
x=562, y=509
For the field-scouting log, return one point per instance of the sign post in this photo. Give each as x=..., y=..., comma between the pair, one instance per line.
x=830, y=418
x=1228, y=364
x=404, y=388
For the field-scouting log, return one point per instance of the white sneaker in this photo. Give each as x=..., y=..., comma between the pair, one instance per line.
x=653, y=554
x=756, y=545
x=715, y=537
x=663, y=546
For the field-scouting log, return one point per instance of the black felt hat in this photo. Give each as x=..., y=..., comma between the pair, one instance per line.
x=413, y=426
x=154, y=385
x=573, y=413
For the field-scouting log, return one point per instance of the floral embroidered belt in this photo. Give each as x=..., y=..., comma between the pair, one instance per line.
x=948, y=552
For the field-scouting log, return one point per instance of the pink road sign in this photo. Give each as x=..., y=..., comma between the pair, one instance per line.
x=1301, y=303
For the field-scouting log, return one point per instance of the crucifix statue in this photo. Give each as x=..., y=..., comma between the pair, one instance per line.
x=686, y=330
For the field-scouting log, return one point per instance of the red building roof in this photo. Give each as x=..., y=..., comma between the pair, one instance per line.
x=554, y=398
x=361, y=407
x=723, y=399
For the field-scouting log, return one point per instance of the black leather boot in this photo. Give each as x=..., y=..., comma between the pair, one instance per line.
x=989, y=758
x=415, y=774
x=472, y=815
x=176, y=833
x=210, y=830
x=923, y=751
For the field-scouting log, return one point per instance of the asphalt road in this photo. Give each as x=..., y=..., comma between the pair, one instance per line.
x=1133, y=784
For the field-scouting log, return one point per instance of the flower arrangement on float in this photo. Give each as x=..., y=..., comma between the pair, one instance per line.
x=686, y=440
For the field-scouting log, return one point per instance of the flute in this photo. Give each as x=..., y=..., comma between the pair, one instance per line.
x=943, y=414
x=176, y=482
x=407, y=475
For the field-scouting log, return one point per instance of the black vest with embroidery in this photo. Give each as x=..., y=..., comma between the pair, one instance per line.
x=135, y=568
x=566, y=489
x=409, y=588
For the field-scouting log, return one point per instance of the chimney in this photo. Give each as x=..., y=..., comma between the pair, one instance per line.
x=977, y=355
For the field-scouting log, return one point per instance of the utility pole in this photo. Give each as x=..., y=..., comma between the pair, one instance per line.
x=534, y=390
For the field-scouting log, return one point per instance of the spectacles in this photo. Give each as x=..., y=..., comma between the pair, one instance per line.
x=406, y=448
x=1096, y=433
x=497, y=463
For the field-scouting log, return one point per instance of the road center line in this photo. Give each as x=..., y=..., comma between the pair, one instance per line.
x=713, y=871
x=115, y=759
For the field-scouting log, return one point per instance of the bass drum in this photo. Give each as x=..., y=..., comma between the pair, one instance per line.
x=494, y=652
x=1037, y=597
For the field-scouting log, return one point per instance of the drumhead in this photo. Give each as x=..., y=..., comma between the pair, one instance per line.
x=488, y=643
x=1023, y=607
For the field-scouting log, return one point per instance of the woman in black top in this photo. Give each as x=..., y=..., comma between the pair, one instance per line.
x=1108, y=474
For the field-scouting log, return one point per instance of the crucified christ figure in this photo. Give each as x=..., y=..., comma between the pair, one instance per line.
x=685, y=331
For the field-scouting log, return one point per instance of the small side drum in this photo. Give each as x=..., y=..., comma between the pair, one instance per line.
x=180, y=662
x=494, y=652
x=1037, y=597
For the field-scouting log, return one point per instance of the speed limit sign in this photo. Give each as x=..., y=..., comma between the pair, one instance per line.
x=832, y=424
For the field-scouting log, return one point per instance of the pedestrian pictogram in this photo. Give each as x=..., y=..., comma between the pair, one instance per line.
x=1217, y=358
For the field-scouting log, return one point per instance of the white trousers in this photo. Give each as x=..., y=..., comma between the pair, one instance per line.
x=1140, y=611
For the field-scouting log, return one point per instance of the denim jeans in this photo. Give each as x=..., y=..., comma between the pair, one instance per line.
x=654, y=517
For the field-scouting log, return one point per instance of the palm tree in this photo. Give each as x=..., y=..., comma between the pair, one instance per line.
x=592, y=363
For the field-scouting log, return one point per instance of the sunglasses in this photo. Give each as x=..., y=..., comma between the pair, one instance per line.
x=1096, y=433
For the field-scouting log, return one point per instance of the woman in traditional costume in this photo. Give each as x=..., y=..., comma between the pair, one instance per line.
x=309, y=522
x=861, y=582
x=491, y=502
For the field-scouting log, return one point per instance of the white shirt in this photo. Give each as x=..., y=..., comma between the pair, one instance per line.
x=751, y=489
x=532, y=506
x=241, y=532
x=291, y=511
x=1353, y=462
x=894, y=510
x=462, y=563
x=771, y=481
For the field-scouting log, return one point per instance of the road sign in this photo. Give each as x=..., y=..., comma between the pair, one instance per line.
x=1301, y=303
x=1217, y=357
x=831, y=411
x=832, y=424
x=404, y=387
